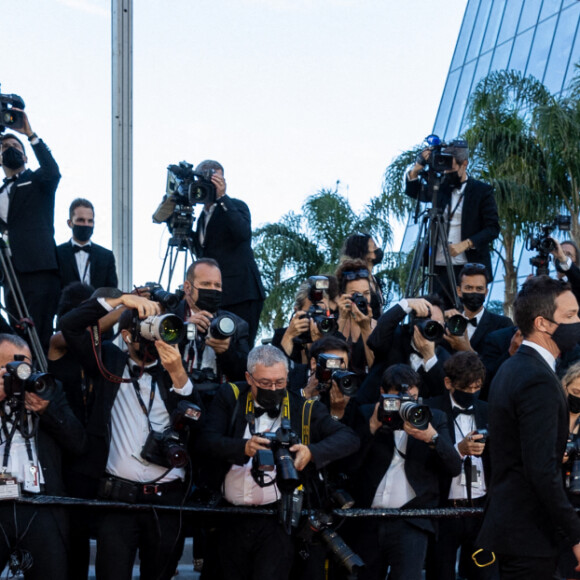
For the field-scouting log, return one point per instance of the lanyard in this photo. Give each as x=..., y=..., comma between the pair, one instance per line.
x=250, y=417
x=146, y=411
x=9, y=435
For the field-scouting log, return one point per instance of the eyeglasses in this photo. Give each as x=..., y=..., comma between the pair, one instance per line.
x=266, y=384
x=474, y=265
x=349, y=275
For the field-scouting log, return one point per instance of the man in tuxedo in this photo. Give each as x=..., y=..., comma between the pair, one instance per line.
x=399, y=466
x=135, y=393
x=36, y=464
x=527, y=508
x=224, y=233
x=81, y=260
x=258, y=547
x=466, y=415
x=27, y=223
x=393, y=343
x=472, y=292
x=469, y=210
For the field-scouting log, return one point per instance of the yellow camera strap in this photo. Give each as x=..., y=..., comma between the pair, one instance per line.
x=236, y=390
x=285, y=405
x=306, y=415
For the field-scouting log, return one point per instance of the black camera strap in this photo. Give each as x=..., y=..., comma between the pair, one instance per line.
x=9, y=434
x=146, y=410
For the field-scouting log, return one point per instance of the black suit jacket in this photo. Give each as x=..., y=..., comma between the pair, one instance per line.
x=528, y=425
x=479, y=218
x=443, y=403
x=74, y=328
x=222, y=439
x=489, y=323
x=228, y=240
x=31, y=215
x=101, y=266
x=391, y=344
x=423, y=464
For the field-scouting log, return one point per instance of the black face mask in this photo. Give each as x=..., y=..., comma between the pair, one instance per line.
x=12, y=158
x=270, y=398
x=566, y=336
x=465, y=399
x=574, y=404
x=473, y=301
x=379, y=255
x=452, y=179
x=209, y=300
x=82, y=233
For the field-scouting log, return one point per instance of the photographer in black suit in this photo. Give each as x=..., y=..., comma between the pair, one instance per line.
x=39, y=532
x=224, y=233
x=469, y=210
x=466, y=416
x=399, y=466
x=81, y=260
x=27, y=221
x=528, y=418
x=258, y=547
x=123, y=418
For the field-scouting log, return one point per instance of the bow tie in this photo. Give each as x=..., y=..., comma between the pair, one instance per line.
x=137, y=372
x=459, y=411
x=472, y=321
x=272, y=413
x=7, y=180
x=86, y=249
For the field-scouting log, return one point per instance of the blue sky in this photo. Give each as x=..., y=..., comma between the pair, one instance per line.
x=289, y=95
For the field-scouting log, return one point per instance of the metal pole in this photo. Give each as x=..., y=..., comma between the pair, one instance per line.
x=122, y=162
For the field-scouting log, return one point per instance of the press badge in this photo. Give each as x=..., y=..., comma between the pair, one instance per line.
x=475, y=477
x=9, y=486
x=30, y=477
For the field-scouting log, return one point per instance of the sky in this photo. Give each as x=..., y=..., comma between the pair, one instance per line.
x=290, y=96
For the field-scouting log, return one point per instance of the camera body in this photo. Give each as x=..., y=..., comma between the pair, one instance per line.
x=438, y=162
x=169, y=300
x=325, y=322
x=222, y=326
x=184, y=182
x=328, y=369
x=278, y=457
x=361, y=302
x=21, y=379
x=394, y=410
x=429, y=329
x=541, y=241
x=168, y=447
x=9, y=118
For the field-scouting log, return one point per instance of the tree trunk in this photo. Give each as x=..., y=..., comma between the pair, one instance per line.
x=510, y=277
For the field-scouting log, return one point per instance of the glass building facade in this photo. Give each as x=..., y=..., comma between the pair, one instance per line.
x=540, y=38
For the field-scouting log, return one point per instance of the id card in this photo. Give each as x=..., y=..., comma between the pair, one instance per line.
x=9, y=487
x=475, y=477
x=30, y=478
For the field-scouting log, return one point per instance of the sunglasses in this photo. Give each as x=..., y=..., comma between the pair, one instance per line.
x=349, y=275
x=474, y=265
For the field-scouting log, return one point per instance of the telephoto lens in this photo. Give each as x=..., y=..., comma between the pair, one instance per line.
x=166, y=327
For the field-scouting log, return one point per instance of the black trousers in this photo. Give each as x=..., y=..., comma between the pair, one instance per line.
x=41, y=291
x=526, y=568
x=254, y=548
x=156, y=534
x=41, y=531
x=249, y=311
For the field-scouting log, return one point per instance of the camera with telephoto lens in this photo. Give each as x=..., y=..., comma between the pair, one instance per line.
x=429, y=329
x=20, y=379
x=9, y=118
x=222, y=326
x=168, y=447
x=540, y=239
x=361, y=302
x=166, y=327
x=319, y=524
x=456, y=324
x=319, y=314
x=278, y=457
x=394, y=410
x=167, y=299
x=328, y=369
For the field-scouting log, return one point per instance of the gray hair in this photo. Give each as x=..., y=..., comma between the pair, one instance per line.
x=571, y=375
x=14, y=340
x=266, y=355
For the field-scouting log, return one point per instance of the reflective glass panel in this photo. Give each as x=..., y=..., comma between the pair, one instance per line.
x=521, y=50
x=501, y=55
x=478, y=31
x=510, y=20
x=549, y=8
x=574, y=57
x=465, y=34
x=446, y=102
x=493, y=25
x=558, y=63
x=540, y=48
x=529, y=16
x=463, y=90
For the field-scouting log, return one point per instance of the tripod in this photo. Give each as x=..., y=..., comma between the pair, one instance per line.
x=24, y=320
x=180, y=242
x=433, y=231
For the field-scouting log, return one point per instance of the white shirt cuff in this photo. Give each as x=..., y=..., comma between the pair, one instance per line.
x=185, y=391
x=428, y=365
x=565, y=266
x=404, y=304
